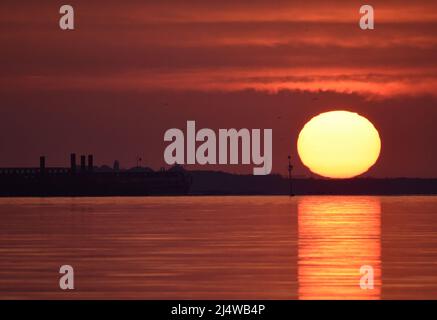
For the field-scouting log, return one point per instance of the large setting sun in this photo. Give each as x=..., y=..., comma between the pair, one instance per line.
x=339, y=144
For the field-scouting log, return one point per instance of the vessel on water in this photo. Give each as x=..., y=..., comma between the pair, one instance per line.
x=88, y=180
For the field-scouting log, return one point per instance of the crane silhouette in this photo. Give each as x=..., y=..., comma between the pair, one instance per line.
x=290, y=167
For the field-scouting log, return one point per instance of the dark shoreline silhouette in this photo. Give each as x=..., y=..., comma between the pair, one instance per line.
x=89, y=180
x=222, y=183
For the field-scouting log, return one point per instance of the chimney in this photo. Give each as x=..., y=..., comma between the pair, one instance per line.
x=82, y=163
x=73, y=163
x=90, y=162
x=42, y=164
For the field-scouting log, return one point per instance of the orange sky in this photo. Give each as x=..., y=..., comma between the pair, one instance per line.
x=284, y=60
x=222, y=45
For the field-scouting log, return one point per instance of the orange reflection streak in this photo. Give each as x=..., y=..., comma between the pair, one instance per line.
x=337, y=235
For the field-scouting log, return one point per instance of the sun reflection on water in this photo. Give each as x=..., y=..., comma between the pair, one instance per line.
x=337, y=235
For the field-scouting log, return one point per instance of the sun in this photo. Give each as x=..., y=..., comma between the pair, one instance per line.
x=339, y=144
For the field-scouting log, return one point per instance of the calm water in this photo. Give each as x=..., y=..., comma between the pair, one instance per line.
x=219, y=247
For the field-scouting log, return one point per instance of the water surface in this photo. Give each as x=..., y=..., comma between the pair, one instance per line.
x=219, y=247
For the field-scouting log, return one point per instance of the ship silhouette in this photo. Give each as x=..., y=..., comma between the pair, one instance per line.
x=88, y=180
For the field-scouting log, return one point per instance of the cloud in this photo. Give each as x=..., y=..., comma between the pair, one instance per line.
x=133, y=69
x=221, y=45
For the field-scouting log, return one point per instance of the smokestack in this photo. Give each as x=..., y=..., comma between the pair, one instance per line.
x=42, y=164
x=82, y=163
x=90, y=162
x=73, y=163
